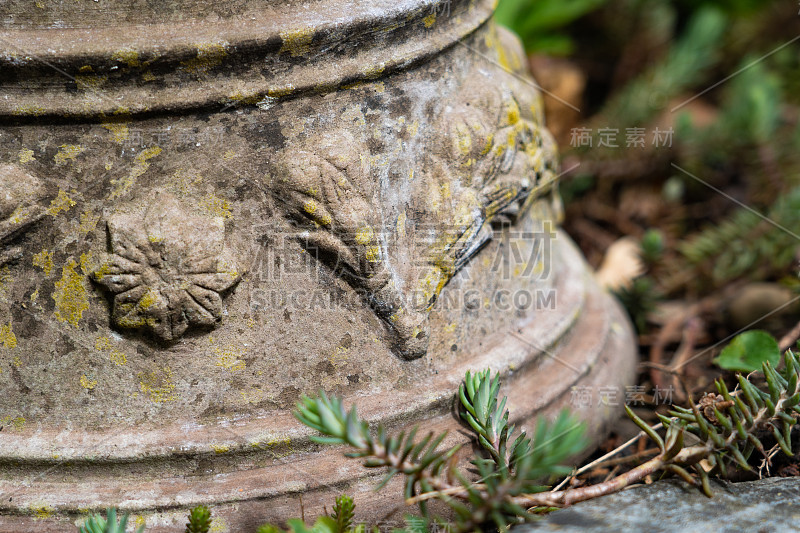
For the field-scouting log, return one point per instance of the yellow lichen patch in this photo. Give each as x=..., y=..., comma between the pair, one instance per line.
x=29, y=110
x=185, y=183
x=252, y=397
x=373, y=254
x=220, y=448
x=364, y=235
x=375, y=71
x=489, y=142
x=158, y=385
x=219, y=525
x=67, y=152
x=140, y=166
x=90, y=82
x=34, y=295
x=16, y=423
x=339, y=356
x=102, y=343
x=229, y=358
x=430, y=20
x=493, y=42
x=277, y=92
x=44, y=260
x=7, y=338
x=119, y=131
x=401, y=223
x=277, y=448
x=230, y=154
x=216, y=206
x=297, y=42
x=141, y=161
x=41, y=511
x=88, y=263
x=60, y=203
x=310, y=207
x=513, y=113
x=88, y=383
x=128, y=56
x=463, y=139
x=88, y=221
x=70, y=295
x=251, y=97
x=26, y=156
x=17, y=362
x=117, y=357
x=209, y=55
x=148, y=76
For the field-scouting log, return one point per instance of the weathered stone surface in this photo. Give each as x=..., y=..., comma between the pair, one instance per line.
x=763, y=506
x=206, y=212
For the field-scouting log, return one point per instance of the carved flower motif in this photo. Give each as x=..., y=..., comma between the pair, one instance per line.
x=167, y=269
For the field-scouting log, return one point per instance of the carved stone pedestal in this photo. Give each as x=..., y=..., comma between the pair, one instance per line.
x=210, y=208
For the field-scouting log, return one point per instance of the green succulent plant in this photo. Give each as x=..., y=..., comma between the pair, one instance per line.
x=199, y=520
x=109, y=524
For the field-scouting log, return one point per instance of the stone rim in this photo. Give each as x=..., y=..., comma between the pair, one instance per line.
x=258, y=59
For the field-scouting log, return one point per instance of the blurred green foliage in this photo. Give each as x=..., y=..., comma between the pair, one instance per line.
x=725, y=75
x=538, y=22
x=543, y=25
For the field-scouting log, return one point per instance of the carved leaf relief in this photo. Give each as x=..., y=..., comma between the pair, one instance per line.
x=485, y=162
x=19, y=194
x=167, y=269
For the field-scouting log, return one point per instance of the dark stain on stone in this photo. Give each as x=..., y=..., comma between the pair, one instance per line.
x=288, y=396
x=353, y=379
x=17, y=378
x=64, y=345
x=347, y=341
x=287, y=316
x=143, y=350
x=374, y=102
x=400, y=105
x=376, y=146
x=213, y=410
x=454, y=347
x=204, y=466
x=325, y=367
x=25, y=325
x=272, y=135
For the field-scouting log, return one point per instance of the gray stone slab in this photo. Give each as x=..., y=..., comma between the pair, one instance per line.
x=764, y=506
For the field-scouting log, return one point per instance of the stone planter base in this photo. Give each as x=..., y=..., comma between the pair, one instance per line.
x=248, y=476
x=208, y=209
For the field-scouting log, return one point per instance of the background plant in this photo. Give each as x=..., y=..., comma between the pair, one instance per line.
x=109, y=524
x=511, y=474
x=507, y=467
